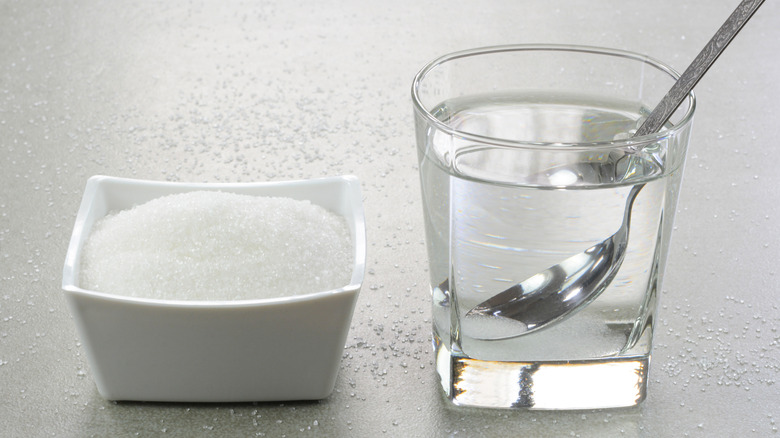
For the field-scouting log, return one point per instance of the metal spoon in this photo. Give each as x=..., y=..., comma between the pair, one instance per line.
x=553, y=295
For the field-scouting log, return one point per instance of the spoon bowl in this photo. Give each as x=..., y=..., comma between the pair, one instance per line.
x=557, y=292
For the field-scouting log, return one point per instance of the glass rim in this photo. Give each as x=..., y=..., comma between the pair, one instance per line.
x=501, y=142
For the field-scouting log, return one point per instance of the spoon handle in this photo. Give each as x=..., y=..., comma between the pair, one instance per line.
x=664, y=110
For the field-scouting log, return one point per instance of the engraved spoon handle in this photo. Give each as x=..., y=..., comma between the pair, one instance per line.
x=664, y=110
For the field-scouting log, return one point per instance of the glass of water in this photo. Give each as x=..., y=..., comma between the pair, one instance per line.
x=526, y=159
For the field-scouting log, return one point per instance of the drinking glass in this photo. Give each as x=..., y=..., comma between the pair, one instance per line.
x=526, y=158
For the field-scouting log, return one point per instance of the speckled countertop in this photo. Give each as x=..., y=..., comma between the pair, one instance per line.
x=273, y=90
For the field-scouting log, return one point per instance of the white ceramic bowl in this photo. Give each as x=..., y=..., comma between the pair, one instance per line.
x=286, y=348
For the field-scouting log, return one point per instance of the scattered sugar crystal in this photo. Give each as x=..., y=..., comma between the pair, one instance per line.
x=207, y=245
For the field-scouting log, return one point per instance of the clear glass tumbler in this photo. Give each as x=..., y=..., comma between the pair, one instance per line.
x=527, y=159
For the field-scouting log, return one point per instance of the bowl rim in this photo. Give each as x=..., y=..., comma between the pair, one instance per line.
x=350, y=185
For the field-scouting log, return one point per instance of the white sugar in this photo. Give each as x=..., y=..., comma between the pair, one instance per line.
x=218, y=246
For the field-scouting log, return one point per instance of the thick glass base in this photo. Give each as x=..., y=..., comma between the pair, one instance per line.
x=588, y=384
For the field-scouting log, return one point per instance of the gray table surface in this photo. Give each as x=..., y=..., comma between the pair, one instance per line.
x=200, y=90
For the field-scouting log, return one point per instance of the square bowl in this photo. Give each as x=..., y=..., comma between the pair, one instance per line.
x=270, y=349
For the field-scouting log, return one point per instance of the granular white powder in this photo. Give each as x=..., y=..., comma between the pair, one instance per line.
x=218, y=246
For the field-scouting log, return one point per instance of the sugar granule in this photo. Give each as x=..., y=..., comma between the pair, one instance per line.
x=208, y=245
